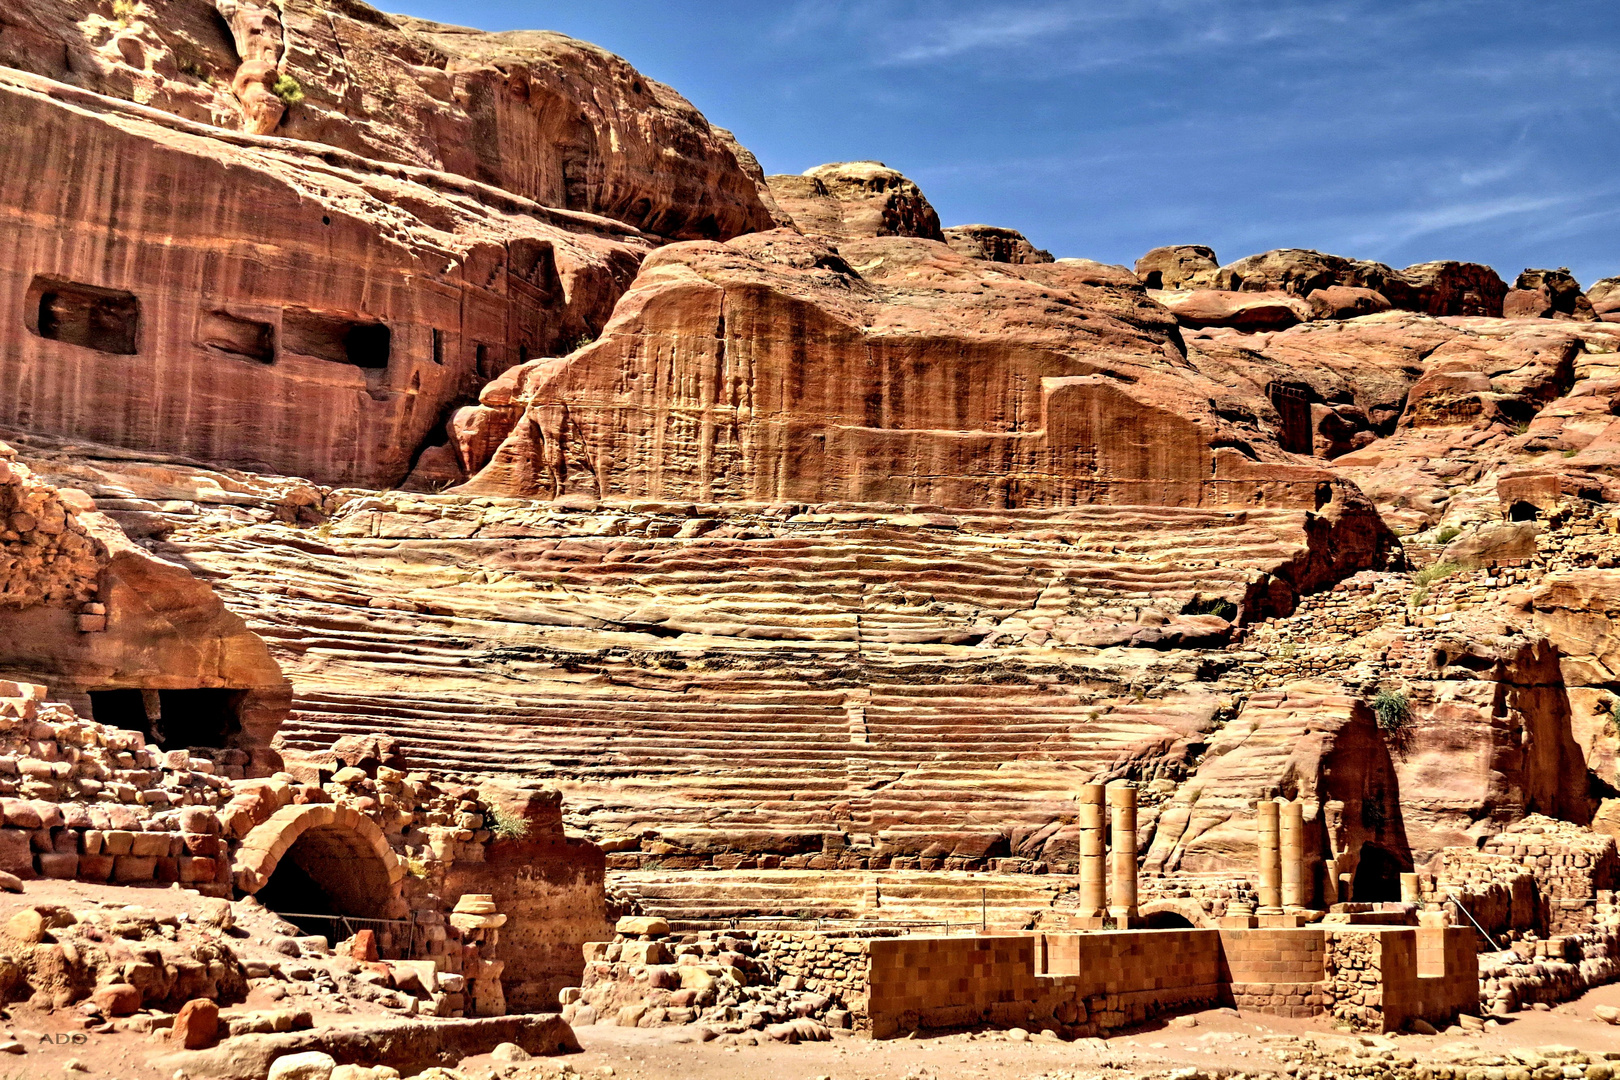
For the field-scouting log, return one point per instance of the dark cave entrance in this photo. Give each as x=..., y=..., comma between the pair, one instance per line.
x=1167, y=920
x=1378, y=877
x=200, y=719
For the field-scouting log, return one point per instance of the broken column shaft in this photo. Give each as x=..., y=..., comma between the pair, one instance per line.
x=1093, y=887
x=1267, y=825
x=1292, y=834
x=1122, y=809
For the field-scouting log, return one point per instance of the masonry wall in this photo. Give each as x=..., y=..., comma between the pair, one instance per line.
x=1274, y=971
x=1372, y=977
x=553, y=893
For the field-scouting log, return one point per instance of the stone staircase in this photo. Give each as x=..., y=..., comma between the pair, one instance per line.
x=855, y=686
x=962, y=900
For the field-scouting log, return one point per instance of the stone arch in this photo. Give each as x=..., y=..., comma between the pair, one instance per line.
x=1189, y=911
x=340, y=849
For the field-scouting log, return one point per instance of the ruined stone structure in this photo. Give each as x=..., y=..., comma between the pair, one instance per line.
x=478, y=515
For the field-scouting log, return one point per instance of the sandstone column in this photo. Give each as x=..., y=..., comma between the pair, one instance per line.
x=1293, y=855
x=1122, y=809
x=1093, y=887
x=1267, y=824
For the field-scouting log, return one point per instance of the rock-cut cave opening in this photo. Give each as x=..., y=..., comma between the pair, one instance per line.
x=326, y=873
x=202, y=718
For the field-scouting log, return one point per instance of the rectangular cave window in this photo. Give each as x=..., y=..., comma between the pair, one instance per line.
x=341, y=338
x=246, y=338
x=106, y=320
x=438, y=345
x=1293, y=405
x=123, y=709
x=172, y=719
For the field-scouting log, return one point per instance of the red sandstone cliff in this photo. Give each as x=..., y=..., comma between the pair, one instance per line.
x=538, y=114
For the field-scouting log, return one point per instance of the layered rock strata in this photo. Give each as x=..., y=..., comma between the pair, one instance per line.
x=542, y=116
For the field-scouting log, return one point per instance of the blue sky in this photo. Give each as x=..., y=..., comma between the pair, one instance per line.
x=1484, y=130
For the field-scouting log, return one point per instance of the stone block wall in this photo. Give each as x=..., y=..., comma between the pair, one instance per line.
x=1275, y=971
x=1379, y=978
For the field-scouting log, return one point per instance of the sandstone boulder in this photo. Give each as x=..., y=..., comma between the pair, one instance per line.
x=1299, y=272
x=1548, y=294
x=1091, y=272
x=1178, y=266
x=1247, y=311
x=1605, y=299
x=1346, y=302
x=853, y=200
x=1447, y=288
x=1493, y=542
x=994, y=244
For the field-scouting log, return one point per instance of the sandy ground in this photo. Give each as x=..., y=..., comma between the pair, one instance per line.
x=1220, y=1042
x=1217, y=1042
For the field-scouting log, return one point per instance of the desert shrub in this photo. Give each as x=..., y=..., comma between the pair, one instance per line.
x=1431, y=574
x=505, y=825
x=1394, y=712
x=127, y=11
x=288, y=89
x=1214, y=605
x=1447, y=534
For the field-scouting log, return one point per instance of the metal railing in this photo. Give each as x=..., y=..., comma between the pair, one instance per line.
x=1482, y=931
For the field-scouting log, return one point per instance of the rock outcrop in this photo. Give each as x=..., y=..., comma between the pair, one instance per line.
x=240, y=301
x=540, y=115
x=940, y=380
x=855, y=200
x=1548, y=294
x=1605, y=299
x=995, y=244
x=1178, y=266
x=1332, y=287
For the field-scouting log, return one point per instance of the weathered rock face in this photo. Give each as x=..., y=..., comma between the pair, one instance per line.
x=543, y=116
x=1490, y=741
x=995, y=244
x=100, y=619
x=1605, y=298
x=247, y=305
x=937, y=380
x=1548, y=294
x=1306, y=741
x=257, y=33
x=855, y=200
x=1336, y=287
x=1248, y=311
x=1178, y=266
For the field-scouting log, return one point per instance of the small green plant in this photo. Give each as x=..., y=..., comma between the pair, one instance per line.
x=1394, y=712
x=416, y=868
x=1420, y=596
x=1521, y=426
x=505, y=825
x=1447, y=534
x=1571, y=453
x=127, y=11
x=1431, y=574
x=288, y=89
x=1215, y=605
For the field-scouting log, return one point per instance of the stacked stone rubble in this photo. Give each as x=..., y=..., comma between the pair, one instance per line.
x=732, y=979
